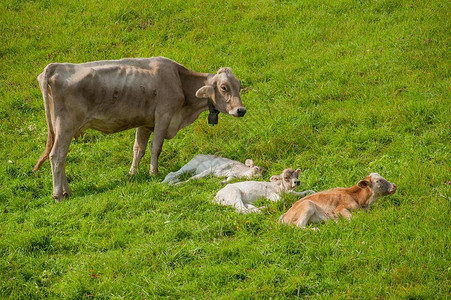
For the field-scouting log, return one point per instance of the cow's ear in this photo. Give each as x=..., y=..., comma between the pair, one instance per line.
x=363, y=184
x=249, y=163
x=275, y=178
x=207, y=91
x=297, y=172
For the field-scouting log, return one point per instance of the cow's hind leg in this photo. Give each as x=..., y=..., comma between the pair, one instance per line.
x=141, y=139
x=195, y=177
x=310, y=213
x=190, y=167
x=58, y=163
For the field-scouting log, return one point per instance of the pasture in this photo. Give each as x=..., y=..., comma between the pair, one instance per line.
x=337, y=88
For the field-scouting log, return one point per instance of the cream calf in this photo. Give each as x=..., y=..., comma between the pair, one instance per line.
x=204, y=165
x=337, y=202
x=242, y=195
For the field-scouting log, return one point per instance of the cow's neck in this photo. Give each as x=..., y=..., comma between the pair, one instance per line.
x=248, y=173
x=280, y=188
x=191, y=82
x=364, y=197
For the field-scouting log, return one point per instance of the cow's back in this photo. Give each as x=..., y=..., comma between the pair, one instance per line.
x=253, y=190
x=327, y=200
x=118, y=94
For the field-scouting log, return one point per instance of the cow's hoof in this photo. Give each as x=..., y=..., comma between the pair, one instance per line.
x=58, y=198
x=132, y=171
x=64, y=195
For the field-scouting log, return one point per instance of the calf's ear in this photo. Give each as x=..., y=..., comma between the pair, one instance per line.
x=224, y=70
x=249, y=163
x=274, y=178
x=207, y=91
x=363, y=184
x=297, y=172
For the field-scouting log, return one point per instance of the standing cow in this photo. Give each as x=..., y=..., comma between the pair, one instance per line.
x=151, y=94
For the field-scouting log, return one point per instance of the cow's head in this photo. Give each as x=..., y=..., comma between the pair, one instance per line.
x=288, y=180
x=254, y=171
x=224, y=90
x=379, y=185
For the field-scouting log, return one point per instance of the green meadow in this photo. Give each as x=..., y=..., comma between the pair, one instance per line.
x=339, y=89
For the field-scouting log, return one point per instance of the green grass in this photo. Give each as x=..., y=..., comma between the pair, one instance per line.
x=337, y=88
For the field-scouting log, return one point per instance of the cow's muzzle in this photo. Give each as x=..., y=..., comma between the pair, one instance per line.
x=241, y=111
x=238, y=112
x=393, y=189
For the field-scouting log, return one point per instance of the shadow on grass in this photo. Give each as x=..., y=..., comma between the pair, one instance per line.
x=93, y=188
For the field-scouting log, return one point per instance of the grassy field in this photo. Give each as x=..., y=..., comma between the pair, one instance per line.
x=337, y=88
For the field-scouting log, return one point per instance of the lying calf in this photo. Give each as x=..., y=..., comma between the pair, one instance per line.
x=242, y=195
x=204, y=165
x=337, y=202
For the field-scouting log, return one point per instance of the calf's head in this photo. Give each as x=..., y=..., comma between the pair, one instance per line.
x=378, y=184
x=224, y=90
x=288, y=180
x=254, y=170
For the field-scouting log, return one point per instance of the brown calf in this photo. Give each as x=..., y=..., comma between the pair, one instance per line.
x=337, y=202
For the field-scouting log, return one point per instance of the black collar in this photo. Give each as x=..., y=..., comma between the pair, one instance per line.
x=213, y=115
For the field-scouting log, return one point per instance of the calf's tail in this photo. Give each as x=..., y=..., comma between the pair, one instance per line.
x=43, y=79
x=281, y=219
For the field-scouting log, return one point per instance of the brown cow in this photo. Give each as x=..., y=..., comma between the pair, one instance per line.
x=151, y=94
x=337, y=202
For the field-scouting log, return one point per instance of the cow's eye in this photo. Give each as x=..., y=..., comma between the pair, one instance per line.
x=223, y=88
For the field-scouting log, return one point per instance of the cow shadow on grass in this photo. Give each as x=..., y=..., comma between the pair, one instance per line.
x=93, y=188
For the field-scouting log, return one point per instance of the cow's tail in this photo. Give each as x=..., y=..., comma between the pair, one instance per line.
x=281, y=219
x=43, y=79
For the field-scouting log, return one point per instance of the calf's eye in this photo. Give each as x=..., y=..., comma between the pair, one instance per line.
x=223, y=88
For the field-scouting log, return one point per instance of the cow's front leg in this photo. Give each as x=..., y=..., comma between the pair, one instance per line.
x=141, y=139
x=160, y=132
x=252, y=209
x=201, y=175
x=345, y=213
x=227, y=180
x=274, y=197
